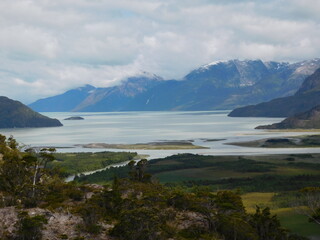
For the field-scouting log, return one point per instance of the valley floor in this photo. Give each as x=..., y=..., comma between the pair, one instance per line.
x=262, y=180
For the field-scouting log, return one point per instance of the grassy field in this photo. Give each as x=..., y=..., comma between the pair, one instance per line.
x=234, y=167
x=199, y=174
x=74, y=163
x=298, y=223
x=289, y=217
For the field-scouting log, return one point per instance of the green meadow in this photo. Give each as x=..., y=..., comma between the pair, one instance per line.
x=75, y=163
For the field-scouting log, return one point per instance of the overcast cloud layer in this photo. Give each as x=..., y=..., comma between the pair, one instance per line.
x=47, y=47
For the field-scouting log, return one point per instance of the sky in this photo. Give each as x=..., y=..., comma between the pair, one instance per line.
x=48, y=47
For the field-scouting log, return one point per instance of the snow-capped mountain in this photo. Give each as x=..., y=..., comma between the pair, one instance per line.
x=306, y=98
x=217, y=85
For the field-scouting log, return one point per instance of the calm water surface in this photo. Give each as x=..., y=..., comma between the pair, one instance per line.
x=143, y=127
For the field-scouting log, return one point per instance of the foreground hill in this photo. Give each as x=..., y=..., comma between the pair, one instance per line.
x=14, y=114
x=218, y=85
x=307, y=120
x=307, y=97
x=38, y=204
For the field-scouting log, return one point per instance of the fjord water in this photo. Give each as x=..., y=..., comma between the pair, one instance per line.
x=143, y=127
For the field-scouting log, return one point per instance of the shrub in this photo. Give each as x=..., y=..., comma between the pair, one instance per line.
x=30, y=228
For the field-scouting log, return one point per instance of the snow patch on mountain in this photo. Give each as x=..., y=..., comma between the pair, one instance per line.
x=207, y=66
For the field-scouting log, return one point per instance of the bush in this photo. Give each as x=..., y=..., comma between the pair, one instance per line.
x=193, y=232
x=139, y=224
x=91, y=214
x=30, y=228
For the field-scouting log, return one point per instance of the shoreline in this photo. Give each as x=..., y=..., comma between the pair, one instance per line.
x=163, y=145
x=302, y=141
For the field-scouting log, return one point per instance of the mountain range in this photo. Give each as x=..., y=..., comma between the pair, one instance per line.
x=14, y=114
x=218, y=85
x=306, y=98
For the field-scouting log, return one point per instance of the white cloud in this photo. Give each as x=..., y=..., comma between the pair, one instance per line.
x=47, y=47
x=27, y=41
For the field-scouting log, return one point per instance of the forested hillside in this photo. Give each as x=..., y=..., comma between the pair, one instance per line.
x=36, y=203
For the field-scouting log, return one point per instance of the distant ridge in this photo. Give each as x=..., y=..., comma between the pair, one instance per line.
x=119, y=98
x=307, y=120
x=89, y=98
x=63, y=102
x=214, y=86
x=13, y=114
x=307, y=97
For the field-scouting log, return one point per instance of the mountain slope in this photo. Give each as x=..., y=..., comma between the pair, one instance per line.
x=307, y=120
x=311, y=84
x=218, y=85
x=92, y=99
x=63, y=102
x=120, y=97
x=225, y=85
x=307, y=97
x=14, y=114
x=233, y=73
x=284, y=80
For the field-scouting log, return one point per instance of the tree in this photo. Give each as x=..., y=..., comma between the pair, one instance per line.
x=30, y=228
x=231, y=217
x=14, y=171
x=140, y=224
x=141, y=167
x=39, y=161
x=22, y=174
x=137, y=170
x=308, y=203
x=267, y=226
x=91, y=214
x=132, y=172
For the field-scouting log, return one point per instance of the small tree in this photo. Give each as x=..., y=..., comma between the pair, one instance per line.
x=141, y=167
x=267, y=226
x=39, y=161
x=91, y=214
x=139, y=224
x=22, y=174
x=14, y=171
x=30, y=228
x=138, y=171
x=308, y=203
x=132, y=170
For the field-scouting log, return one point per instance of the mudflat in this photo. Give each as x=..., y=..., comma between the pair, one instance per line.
x=163, y=145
